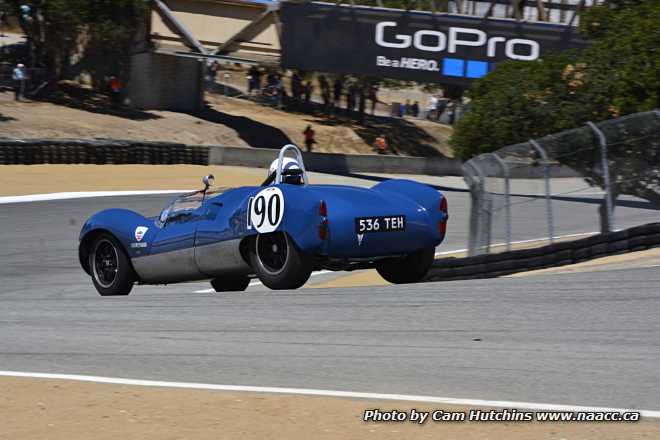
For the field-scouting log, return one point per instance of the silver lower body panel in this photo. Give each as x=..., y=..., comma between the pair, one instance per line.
x=200, y=263
x=221, y=258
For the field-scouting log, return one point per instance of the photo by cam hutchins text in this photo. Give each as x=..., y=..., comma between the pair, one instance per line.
x=493, y=415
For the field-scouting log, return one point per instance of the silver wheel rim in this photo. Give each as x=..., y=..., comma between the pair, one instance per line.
x=97, y=265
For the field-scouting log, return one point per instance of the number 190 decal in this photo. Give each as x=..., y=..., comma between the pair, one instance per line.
x=266, y=210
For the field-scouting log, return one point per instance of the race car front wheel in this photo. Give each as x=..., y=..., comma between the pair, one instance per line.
x=278, y=262
x=410, y=269
x=230, y=284
x=110, y=267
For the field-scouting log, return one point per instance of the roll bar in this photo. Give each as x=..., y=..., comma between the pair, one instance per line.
x=299, y=158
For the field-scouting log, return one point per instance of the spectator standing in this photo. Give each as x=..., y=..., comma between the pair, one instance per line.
x=3, y=18
x=380, y=144
x=402, y=110
x=115, y=89
x=325, y=91
x=279, y=87
x=351, y=98
x=271, y=80
x=308, y=89
x=25, y=19
x=337, y=92
x=19, y=76
x=310, y=139
x=296, y=88
x=362, y=92
x=451, y=111
x=415, y=109
x=442, y=105
x=254, y=79
x=373, y=97
x=432, y=107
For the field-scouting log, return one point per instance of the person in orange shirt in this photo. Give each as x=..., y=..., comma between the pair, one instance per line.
x=115, y=89
x=380, y=144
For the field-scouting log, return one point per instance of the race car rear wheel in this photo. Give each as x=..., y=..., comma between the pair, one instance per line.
x=230, y=284
x=410, y=269
x=110, y=267
x=278, y=263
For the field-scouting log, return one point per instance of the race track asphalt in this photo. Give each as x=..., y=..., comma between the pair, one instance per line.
x=588, y=339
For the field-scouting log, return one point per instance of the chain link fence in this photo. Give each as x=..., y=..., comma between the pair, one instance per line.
x=550, y=186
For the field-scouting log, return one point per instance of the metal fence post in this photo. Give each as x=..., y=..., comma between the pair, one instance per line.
x=546, y=176
x=507, y=195
x=473, y=185
x=487, y=227
x=606, y=175
x=481, y=220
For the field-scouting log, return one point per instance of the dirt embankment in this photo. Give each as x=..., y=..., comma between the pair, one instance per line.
x=78, y=113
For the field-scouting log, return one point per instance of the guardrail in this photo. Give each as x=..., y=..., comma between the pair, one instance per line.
x=109, y=151
x=553, y=255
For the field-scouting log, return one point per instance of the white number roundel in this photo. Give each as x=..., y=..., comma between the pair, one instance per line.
x=267, y=210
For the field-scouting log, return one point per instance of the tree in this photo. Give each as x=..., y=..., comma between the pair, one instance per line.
x=69, y=37
x=624, y=59
x=519, y=101
x=619, y=74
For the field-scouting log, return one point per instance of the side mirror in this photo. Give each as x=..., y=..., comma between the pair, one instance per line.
x=208, y=181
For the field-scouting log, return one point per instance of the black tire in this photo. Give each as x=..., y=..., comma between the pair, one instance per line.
x=112, y=273
x=230, y=284
x=410, y=269
x=278, y=263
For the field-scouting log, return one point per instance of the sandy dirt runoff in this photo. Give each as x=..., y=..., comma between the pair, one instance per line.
x=18, y=180
x=67, y=410
x=226, y=121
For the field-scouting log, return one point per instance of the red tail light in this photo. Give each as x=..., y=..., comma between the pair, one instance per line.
x=442, y=225
x=323, y=227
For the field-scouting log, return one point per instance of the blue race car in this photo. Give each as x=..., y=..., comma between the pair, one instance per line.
x=279, y=232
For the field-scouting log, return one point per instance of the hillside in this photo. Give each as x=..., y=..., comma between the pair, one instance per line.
x=226, y=121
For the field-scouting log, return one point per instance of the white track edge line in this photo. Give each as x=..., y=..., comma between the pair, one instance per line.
x=326, y=393
x=83, y=195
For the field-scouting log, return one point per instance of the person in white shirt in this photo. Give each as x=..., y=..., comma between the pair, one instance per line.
x=19, y=76
x=432, y=107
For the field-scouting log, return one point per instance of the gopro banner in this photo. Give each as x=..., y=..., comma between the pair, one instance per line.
x=410, y=45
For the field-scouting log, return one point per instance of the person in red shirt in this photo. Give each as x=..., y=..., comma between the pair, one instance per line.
x=309, y=134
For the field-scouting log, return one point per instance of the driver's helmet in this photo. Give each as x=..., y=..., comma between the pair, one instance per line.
x=288, y=163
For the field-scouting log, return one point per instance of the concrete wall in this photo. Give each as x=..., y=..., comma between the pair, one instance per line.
x=214, y=22
x=166, y=82
x=339, y=163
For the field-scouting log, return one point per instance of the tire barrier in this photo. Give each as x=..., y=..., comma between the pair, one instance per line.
x=553, y=255
x=109, y=151
x=99, y=152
